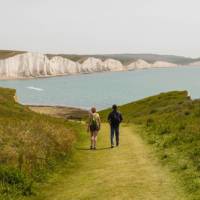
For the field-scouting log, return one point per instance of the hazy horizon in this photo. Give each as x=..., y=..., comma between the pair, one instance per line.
x=101, y=27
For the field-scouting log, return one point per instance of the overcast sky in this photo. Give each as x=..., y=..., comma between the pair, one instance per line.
x=101, y=26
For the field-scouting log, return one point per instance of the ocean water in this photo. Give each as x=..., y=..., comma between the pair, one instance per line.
x=104, y=89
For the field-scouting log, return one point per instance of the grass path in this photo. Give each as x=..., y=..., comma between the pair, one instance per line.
x=126, y=172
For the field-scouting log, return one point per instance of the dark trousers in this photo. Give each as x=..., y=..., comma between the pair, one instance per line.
x=114, y=131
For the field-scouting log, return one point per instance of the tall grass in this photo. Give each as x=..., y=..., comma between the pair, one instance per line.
x=30, y=143
x=172, y=125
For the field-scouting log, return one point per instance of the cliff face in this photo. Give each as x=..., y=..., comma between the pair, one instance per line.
x=25, y=65
x=29, y=65
x=195, y=64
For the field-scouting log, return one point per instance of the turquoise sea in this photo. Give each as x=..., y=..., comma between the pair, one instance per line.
x=104, y=89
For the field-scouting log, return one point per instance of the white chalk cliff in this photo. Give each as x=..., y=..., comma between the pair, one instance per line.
x=195, y=64
x=29, y=65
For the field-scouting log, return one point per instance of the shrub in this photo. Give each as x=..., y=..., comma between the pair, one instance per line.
x=30, y=144
x=15, y=178
x=149, y=122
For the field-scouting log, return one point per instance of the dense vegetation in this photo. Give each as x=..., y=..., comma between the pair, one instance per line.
x=30, y=145
x=172, y=126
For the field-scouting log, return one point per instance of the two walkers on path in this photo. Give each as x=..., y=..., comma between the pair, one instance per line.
x=94, y=125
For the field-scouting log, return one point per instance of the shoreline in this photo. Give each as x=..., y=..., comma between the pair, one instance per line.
x=86, y=73
x=64, y=112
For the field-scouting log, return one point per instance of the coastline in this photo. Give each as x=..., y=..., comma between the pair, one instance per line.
x=65, y=112
x=61, y=75
x=60, y=111
x=85, y=73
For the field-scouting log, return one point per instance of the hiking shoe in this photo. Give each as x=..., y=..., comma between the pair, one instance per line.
x=112, y=146
x=91, y=147
x=95, y=148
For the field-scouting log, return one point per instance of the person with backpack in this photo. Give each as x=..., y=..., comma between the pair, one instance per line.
x=94, y=126
x=114, y=118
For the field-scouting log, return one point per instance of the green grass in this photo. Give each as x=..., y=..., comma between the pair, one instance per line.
x=172, y=125
x=9, y=53
x=127, y=172
x=31, y=145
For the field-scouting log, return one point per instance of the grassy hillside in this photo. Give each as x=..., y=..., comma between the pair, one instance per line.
x=172, y=125
x=30, y=145
x=9, y=53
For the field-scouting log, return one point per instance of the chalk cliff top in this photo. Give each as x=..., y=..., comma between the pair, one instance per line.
x=30, y=65
x=125, y=59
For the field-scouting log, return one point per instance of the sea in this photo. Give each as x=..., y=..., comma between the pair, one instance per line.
x=102, y=90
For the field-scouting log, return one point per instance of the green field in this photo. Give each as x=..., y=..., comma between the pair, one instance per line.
x=44, y=158
x=123, y=173
x=171, y=124
x=31, y=145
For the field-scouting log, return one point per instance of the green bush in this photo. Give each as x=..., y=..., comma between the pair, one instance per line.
x=30, y=144
x=14, y=178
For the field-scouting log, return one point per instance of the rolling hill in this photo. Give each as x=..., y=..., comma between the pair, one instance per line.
x=171, y=124
x=31, y=145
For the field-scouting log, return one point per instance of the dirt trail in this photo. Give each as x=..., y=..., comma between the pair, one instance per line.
x=129, y=171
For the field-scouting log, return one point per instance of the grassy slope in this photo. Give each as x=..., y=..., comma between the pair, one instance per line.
x=9, y=53
x=172, y=126
x=127, y=172
x=30, y=143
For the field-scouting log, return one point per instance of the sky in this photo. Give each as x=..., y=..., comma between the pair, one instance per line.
x=101, y=26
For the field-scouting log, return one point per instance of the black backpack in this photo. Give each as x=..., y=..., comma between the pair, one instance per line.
x=115, y=118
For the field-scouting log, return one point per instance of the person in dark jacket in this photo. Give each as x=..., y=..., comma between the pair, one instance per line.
x=114, y=118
